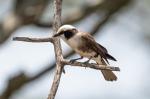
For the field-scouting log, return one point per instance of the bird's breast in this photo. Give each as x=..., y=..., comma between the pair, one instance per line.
x=74, y=42
x=77, y=44
x=82, y=47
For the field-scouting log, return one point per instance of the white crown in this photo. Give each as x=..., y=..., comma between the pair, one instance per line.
x=65, y=28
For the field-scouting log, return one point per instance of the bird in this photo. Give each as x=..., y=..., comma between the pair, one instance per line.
x=85, y=45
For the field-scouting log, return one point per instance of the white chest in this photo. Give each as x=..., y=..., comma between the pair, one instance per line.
x=74, y=42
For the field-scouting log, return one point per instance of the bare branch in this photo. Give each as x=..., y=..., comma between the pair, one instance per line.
x=92, y=65
x=58, y=50
x=27, y=39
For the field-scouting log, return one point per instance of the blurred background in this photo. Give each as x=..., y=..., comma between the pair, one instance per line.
x=27, y=69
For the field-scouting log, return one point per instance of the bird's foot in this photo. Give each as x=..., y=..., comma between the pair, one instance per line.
x=73, y=60
x=86, y=62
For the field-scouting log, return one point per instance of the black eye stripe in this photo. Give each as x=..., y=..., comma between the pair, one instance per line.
x=61, y=33
x=68, y=34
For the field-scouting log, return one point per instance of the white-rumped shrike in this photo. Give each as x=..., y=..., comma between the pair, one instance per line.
x=85, y=45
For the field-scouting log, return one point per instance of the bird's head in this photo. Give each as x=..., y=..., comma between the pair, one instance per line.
x=66, y=31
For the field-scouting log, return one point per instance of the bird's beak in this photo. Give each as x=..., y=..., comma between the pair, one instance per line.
x=56, y=35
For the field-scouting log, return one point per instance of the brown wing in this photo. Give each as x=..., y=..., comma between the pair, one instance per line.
x=99, y=49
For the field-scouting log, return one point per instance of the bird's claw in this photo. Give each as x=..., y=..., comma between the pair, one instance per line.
x=86, y=62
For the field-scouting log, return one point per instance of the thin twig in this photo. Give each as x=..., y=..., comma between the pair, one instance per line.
x=35, y=40
x=91, y=65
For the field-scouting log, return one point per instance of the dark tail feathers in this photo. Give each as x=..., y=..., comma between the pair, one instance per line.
x=110, y=57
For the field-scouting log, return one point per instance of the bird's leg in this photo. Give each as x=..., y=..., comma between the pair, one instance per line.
x=73, y=60
x=86, y=62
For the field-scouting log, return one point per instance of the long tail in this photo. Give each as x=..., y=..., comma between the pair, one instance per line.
x=109, y=75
